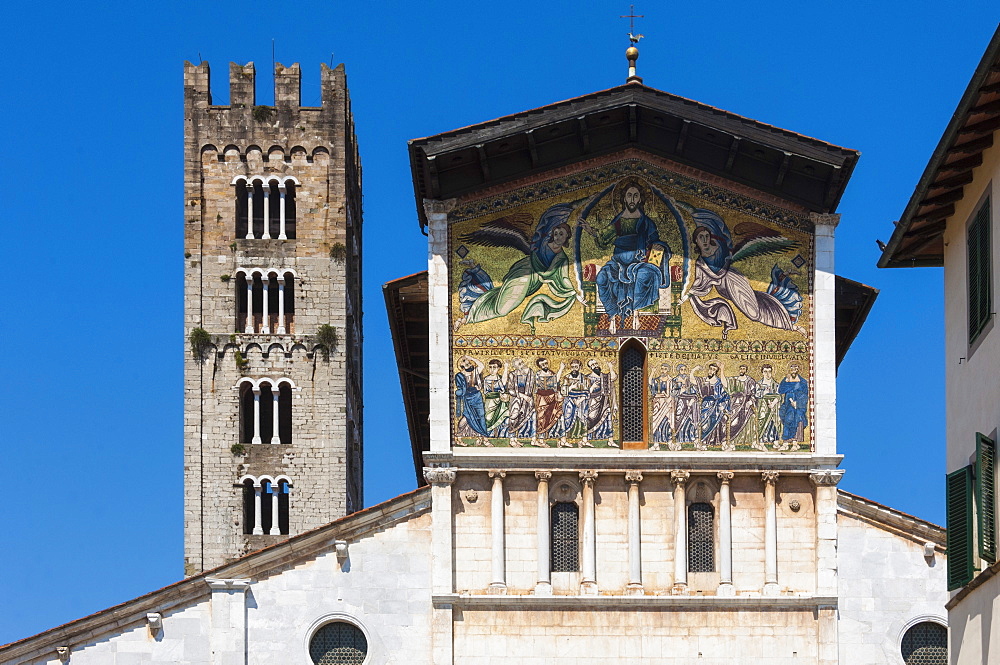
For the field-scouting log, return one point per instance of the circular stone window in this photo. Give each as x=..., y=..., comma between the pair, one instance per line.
x=338, y=643
x=926, y=643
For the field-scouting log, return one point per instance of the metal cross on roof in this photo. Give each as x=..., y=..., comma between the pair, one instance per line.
x=631, y=16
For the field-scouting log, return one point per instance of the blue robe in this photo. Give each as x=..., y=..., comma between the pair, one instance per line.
x=714, y=405
x=626, y=282
x=469, y=404
x=793, y=416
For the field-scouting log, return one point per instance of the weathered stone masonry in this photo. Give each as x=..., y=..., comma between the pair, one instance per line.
x=316, y=146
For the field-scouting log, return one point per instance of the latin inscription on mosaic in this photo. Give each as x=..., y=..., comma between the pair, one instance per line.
x=630, y=302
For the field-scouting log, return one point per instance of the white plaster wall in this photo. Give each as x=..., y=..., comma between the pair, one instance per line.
x=975, y=626
x=384, y=586
x=886, y=584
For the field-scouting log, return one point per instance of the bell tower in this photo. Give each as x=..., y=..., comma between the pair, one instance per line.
x=272, y=313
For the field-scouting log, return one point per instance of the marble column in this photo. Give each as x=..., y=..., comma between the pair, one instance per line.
x=281, y=212
x=258, y=530
x=275, y=529
x=544, y=533
x=679, y=478
x=770, y=534
x=249, y=210
x=634, y=588
x=256, y=415
x=725, y=536
x=267, y=210
x=275, y=432
x=588, y=582
x=265, y=324
x=281, y=305
x=498, y=585
x=248, y=328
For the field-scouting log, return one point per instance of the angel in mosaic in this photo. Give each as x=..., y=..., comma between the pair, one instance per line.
x=545, y=264
x=779, y=307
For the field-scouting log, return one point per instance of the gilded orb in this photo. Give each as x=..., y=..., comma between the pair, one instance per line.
x=632, y=53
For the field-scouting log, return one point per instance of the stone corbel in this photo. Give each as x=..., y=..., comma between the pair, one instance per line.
x=154, y=621
x=62, y=653
x=439, y=475
x=827, y=478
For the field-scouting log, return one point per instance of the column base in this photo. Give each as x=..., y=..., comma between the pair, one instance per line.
x=497, y=589
x=256, y=440
x=588, y=588
x=543, y=589
x=772, y=589
x=258, y=531
x=265, y=331
x=280, y=330
x=726, y=590
x=679, y=589
x=634, y=589
x=274, y=532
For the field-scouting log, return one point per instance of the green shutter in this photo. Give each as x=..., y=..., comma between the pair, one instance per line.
x=986, y=497
x=979, y=260
x=959, y=509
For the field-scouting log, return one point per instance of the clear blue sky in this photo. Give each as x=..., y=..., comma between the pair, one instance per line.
x=92, y=102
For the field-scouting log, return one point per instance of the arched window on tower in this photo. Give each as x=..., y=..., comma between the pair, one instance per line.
x=701, y=538
x=265, y=207
x=565, y=527
x=265, y=410
x=632, y=362
x=265, y=505
x=242, y=205
x=249, y=505
x=265, y=301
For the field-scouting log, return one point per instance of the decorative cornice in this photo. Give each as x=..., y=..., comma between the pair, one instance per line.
x=633, y=477
x=679, y=477
x=827, y=478
x=690, y=602
x=439, y=475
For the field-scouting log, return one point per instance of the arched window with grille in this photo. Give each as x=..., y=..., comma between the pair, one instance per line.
x=565, y=527
x=338, y=643
x=701, y=538
x=925, y=643
x=632, y=363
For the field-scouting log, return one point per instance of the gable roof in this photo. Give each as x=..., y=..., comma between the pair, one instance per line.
x=917, y=239
x=890, y=519
x=253, y=565
x=800, y=169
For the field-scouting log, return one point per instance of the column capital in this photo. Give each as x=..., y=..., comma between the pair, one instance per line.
x=633, y=477
x=588, y=476
x=497, y=473
x=438, y=207
x=827, y=477
x=543, y=476
x=824, y=219
x=725, y=476
x=679, y=477
x=769, y=476
x=439, y=475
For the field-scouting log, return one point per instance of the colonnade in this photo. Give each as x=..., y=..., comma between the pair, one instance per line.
x=265, y=280
x=266, y=202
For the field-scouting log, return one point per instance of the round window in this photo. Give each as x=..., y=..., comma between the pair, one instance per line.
x=338, y=643
x=925, y=643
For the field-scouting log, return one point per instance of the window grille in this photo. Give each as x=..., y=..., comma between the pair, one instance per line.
x=565, y=538
x=633, y=389
x=701, y=544
x=338, y=643
x=925, y=644
x=979, y=271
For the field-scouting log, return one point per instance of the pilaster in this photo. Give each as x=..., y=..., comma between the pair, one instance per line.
x=438, y=299
x=824, y=384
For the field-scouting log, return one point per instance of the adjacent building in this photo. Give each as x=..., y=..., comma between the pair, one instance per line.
x=952, y=221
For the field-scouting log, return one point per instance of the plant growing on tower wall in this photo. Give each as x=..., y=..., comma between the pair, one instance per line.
x=200, y=339
x=327, y=339
x=241, y=361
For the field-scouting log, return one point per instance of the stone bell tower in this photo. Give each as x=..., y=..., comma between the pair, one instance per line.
x=272, y=313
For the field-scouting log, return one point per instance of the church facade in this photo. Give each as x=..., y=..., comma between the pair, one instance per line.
x=619, y=373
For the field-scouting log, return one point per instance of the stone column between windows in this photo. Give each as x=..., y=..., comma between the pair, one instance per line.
x=770, y=534
x=265, y=325
x=248, y=328
x=679, y=478
x=281, y=212
x=442, y=564
x=634, y=588
x=249, y=210
x=588, y=583
x=256, y=415
x=498, y=585
x=544, y=531
x=725, y=536
x=281, y=305
x=275, y=395
x=258, y=529
x=275, y=528
x=228, y=642
x=267, y=211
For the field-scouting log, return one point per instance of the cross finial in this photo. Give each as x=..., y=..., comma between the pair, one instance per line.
x=631, y=16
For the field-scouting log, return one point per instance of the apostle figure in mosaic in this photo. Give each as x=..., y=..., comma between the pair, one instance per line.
x=768, y=404
x=545, y=264
x=714, y=409
x=575, y=392
x=662, y=411
x=793, y=410
x=638, y=268
x=495, y=396
x=469, y=404
x=779, y=307
x=548, y=401
x=602, y=403
x=743, y=408
x=687, y=402
x=521, y=407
